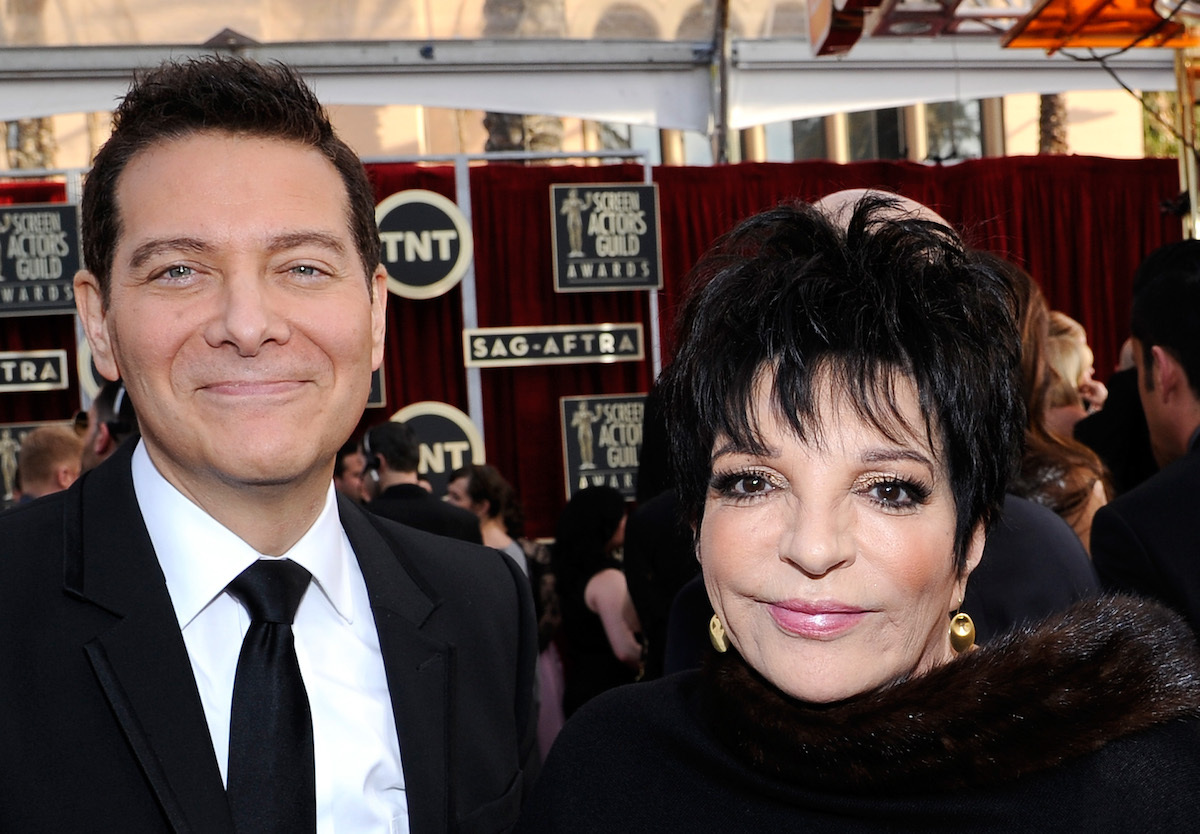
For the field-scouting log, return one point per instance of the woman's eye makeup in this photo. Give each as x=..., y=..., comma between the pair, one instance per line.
x=741, y=484
x=896, y=492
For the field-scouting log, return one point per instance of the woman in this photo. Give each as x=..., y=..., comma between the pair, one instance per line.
x=599, y=642
x=840, y=456
x=1075, y=392
x=482, y=490
x=1056, y=470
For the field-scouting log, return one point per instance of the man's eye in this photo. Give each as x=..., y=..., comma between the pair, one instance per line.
x=178, y=272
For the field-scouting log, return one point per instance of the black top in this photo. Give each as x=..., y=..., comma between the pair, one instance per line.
x=1144, y=542
x=1119, y=435
x=1089, y=723
x=413, y=505
x=589, y=665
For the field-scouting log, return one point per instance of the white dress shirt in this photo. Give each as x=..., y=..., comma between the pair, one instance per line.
x=360, y=783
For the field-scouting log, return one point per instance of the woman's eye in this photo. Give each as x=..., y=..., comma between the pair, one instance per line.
x=752, y=484
x=743, y=484
x=898, y=494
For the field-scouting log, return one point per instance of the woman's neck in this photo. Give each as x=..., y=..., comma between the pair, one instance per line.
x=494, y=534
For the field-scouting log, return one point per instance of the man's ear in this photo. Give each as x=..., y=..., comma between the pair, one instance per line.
x=379, y=297
x=1168, y=373
x=104, y=441
x=65, y=474
x=89, y=303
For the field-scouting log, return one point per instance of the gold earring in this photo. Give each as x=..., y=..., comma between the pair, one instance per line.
x=716, y=633
x=962, y=632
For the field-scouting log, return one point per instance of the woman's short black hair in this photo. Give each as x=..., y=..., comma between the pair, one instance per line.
x=792, y=297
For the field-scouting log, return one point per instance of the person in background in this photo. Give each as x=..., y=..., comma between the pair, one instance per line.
x=48, y=461
x=1056, y=471
x=1146, y=540
x=599, y=638
x=481, y=490
x=1074, y=390
x=393, y=455
x=111, y=421
x=348, y=470
x=841, y=458
x=659, y=558
x=1118, y=433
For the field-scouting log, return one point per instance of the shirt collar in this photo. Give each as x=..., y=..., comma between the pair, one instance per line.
x=199, y=556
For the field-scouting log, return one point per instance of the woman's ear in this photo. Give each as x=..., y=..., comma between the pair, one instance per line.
x=974, y=556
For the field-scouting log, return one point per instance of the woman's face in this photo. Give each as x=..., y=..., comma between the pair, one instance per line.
x=831, y=562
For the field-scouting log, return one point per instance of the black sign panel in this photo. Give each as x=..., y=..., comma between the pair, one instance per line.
x=39, y=256
x=606, y=237
x=426, y=243
x=499, y=347
x=33, y=370
x=602, y=441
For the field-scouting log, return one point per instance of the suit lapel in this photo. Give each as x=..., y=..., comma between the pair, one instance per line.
x=419, y=670
x=141, y=661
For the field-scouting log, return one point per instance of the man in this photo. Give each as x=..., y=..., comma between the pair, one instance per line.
x=234, y=284
x=1118, y=432
x=1145, y=541
x=348, y=470
x=48, y=461
x=393, y=455
x=111, y=421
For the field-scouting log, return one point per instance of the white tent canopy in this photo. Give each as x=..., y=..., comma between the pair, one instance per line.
x=666, y=84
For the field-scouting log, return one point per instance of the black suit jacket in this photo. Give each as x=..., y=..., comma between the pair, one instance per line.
x=413, y=505
x=1148, y=540
x=1119, y=435
x=101, y=725
x=1033, y=565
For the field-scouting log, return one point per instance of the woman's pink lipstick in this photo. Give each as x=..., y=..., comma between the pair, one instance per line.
x=815, y=620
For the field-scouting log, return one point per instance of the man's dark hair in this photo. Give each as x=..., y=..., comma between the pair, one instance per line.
x=115, y=410
x=216, y=94
x=1166, y=308
x=394, y=442
x=790, y=293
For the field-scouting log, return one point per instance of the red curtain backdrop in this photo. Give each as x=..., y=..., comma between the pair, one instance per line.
x=1080, y=225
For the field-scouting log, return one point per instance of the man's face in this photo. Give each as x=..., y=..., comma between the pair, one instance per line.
x=351, y=482
x=239, y=315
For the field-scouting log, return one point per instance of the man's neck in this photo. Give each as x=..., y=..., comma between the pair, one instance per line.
x=268, y=517
x=390, y=478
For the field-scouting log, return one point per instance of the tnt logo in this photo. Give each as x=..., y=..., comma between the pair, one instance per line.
x=448, y=440
x=426, y=243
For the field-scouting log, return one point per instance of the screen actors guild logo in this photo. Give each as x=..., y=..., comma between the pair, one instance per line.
x=582, y=421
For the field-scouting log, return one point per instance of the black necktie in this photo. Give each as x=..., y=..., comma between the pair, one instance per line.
x=272, y=779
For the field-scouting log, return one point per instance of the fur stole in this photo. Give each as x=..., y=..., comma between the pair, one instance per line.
x=1025, y=702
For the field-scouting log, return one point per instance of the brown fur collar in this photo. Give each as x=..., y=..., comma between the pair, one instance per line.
x=1027, y=701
